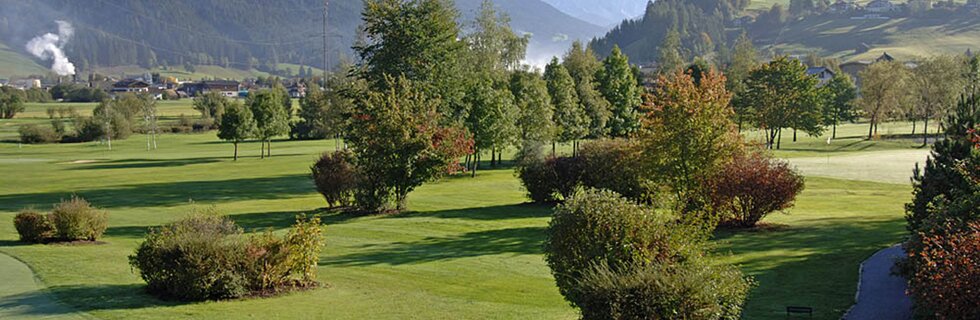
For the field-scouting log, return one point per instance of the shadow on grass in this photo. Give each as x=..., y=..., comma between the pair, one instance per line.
x=524, y=240
x=83, y=298
x=171, y=193
x=261, y=221
x=148, y=163
x=814, y=265
x=521, y=211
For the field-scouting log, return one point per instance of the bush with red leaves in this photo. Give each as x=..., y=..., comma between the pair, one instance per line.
x=946, y=278
x=751, y=187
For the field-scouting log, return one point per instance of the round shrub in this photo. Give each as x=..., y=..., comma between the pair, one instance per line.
x=753, y=186
x=551, y=179
x=76, y=219
x=32, y=133
x=33, y=226
x=335, y=177
x=605, y=250
x=197, y=258
x=613, y=165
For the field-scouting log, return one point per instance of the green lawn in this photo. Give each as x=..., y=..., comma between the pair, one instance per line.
x=470, y=250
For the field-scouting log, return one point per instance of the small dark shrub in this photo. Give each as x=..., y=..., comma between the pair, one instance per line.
x=88, y=129
x=32, y=133
x=207, y=257
x=551, y=179
x=753, y=186
x=33, y=226
x=613, y=165
x=609, y=254
x=335, y=177
x=197, y=258
x=75, y=219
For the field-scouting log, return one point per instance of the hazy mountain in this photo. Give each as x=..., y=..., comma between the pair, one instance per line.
x=601, y=12
x=237, y=33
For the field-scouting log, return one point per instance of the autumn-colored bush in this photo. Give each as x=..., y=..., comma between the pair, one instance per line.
x=76, y=219
x=945, y=282
x=335, y=177
x=33, y=226
x=751, y=187
x=614, y=165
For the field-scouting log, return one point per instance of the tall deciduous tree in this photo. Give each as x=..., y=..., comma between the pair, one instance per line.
x=839, y=96
x=884, y=86
x=583, y=66
x=494, y=46
x=687, y=132
x=271, y=119
x=534, y=120
x=399, y=144
x=492, y=118
x=935, y=84
x=211, y=105
x=782, y=95
x=745, y=58
x=237, y=125
x=571, y=121
x=618, y=86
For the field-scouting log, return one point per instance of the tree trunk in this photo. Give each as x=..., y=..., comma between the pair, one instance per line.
x=236, y=150
x=269, y=146
x=794, y=134
x=476, y=162
x=913, y=127
x=925, y=132
x=467, y=163
x=871, y=128
x=262, y=150
x=493, y=158
x=834, y=134
x=779, y=138
x=553, y=148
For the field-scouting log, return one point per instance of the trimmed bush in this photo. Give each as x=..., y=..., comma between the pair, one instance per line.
x=33, y=226
x=751, y=187
x=32, y=133
x=76, y=219
x=207, y=257
x=614, y=165
x=335, y=177
x=608, y=253
x=552, y=179
x=197, y=258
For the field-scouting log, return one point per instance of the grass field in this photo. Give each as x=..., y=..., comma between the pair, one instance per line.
x=471, y=249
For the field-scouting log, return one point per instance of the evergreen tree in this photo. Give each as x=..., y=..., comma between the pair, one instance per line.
x=571, y=121
x=670, y=58
x=618, y=86
x=583, y=66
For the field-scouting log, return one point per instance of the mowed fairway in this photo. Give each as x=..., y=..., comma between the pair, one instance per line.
x=471, y=249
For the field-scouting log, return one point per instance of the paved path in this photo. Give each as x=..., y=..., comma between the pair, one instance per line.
x=881, y=295
x=22, y=297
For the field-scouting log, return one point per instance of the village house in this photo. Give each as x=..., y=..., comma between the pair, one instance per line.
x=297, y=90
x=842, y=6
x=823, y=74
x=130, y=86
x=854, y=68
x=881, y=6
x=227, y=88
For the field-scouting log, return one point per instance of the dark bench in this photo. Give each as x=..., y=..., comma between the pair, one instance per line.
x=800, y=310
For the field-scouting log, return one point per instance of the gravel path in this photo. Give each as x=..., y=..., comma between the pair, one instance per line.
x=881, y=295
x=22, y=297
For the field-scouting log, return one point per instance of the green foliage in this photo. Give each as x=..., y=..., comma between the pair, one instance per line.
x=613, y=165
x=670, y=57
x=884, y=88
x=78, y=93
x=935, y=84
x=335, y=177
x=780, y=94
x=33, y=226
x=583, y=66
x=618, y=86
x=76, y=219
x=550, y=179
x=206, y=257
x=11, y=103
x=271, y=118
x=839, y=96
x=751, y=187
x=211, y=105
x=399, y=144
x=32, y=133
x=493, y=116
x=237, y=125
x=493, y=46
x=323, y=113
x=571, y=121
x=614, y=259
x=535, y=112
x=196, y=258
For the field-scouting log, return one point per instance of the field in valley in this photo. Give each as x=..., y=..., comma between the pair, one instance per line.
x=470, y=249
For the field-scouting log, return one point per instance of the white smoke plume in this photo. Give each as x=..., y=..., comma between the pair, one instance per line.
x=51, y=47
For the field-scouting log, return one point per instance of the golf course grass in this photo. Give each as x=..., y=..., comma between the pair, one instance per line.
x=471, y=248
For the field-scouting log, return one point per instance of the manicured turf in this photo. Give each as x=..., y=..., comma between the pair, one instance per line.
x=470, y=250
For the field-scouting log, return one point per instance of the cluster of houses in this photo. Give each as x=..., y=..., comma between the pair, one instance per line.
x=157, y=86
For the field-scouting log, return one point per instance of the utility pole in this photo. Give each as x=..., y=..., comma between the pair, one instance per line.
x=326, y=4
